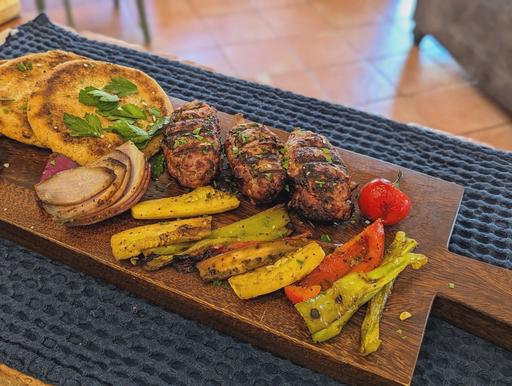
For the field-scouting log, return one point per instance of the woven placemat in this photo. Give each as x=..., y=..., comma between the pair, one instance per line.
x=67, y=328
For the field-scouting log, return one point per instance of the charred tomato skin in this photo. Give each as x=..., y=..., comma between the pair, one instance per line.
x=381, y=198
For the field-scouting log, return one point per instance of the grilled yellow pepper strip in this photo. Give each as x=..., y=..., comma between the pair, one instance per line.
x=370, y=332
x=325, y=315
x=283, y=272
x=132, y=242
x=200, y=201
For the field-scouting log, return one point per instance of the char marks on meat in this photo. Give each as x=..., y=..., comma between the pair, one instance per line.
x=321, y=184
x=192, y=144
x=254, y=154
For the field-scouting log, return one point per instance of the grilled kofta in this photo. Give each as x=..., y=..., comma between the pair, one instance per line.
x=192, y=144
x=321, y=185
x=254, y=154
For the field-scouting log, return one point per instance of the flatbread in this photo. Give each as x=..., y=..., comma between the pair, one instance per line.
x=59, y=94
x=17, y=85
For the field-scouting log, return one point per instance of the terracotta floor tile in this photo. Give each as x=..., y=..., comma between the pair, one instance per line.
x=276, y=3
x=459, y=109
x=378, y=40
x=210, y=57
x=499, y=137
x=240, y=27
x=322, y=49
x=295, y=20
x=353, y=84
x=300, y=82
x=343, y=13
x=269, y=56
x=218, y=7
x=185, y=35
x=415, y=72
x=166, y=12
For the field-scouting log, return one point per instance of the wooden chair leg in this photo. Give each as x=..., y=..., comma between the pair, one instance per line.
x=41, y=6
x=69, y=14
x=418, y=36
x=143, y=21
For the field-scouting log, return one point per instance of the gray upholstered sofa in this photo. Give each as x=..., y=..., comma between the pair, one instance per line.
x=478, y=33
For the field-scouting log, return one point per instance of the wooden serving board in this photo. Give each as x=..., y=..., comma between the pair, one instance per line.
x=479, y=302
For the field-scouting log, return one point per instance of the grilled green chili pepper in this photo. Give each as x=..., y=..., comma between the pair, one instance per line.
x=370, y=332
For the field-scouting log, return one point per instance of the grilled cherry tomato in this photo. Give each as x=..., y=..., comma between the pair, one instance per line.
x=381, y=198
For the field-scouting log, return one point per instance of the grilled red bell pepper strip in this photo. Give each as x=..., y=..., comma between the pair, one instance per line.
x=362, y=253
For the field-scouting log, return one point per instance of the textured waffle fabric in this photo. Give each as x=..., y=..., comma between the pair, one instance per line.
x=67, y=328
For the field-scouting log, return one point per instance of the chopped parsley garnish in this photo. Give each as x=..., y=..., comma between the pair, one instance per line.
x=268, y=176
x=24, y=66
x=197, y=130
x=451, y=285
x=299, y=261
x=287, y=188
x=327, y=154
x=89, y=126
x=320, y=183
x=285, y=162
x=121, y=87
x=235, y=150
x=283, y=150
x=157, y=163
x=326, y=238
x=243, y=137
x=178, y=142
x=220, y=283
x=53, y=162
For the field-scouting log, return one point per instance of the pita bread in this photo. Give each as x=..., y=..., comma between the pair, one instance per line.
x=17, y=80
x=59, y=94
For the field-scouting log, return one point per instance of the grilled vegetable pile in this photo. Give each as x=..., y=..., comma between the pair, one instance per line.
x=192, y=144
x=326, y=314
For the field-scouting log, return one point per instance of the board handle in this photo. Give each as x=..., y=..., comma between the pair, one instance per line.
x=475, y=296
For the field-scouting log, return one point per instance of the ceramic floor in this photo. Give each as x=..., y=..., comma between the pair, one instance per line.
x=357, y=53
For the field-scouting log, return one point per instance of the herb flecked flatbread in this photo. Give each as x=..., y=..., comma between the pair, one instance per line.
x=17, y=80
x=73, y=111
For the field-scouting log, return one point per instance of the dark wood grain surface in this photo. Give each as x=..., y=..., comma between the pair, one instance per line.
x=479, y=301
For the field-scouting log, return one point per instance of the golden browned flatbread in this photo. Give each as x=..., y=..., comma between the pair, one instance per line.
x=17, y=80
x=59, y=94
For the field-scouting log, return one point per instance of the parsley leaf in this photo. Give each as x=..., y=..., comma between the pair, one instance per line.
x=91, y=96
x=103, y=96
x=121, y=87
x=156, y=127
x=129, y=132
x=89, y=126
x=129, y=111
x=157, y=163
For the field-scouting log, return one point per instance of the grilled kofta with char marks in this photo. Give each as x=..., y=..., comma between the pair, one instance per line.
x=192, y=144
x=254, y=154
x=321, y=185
